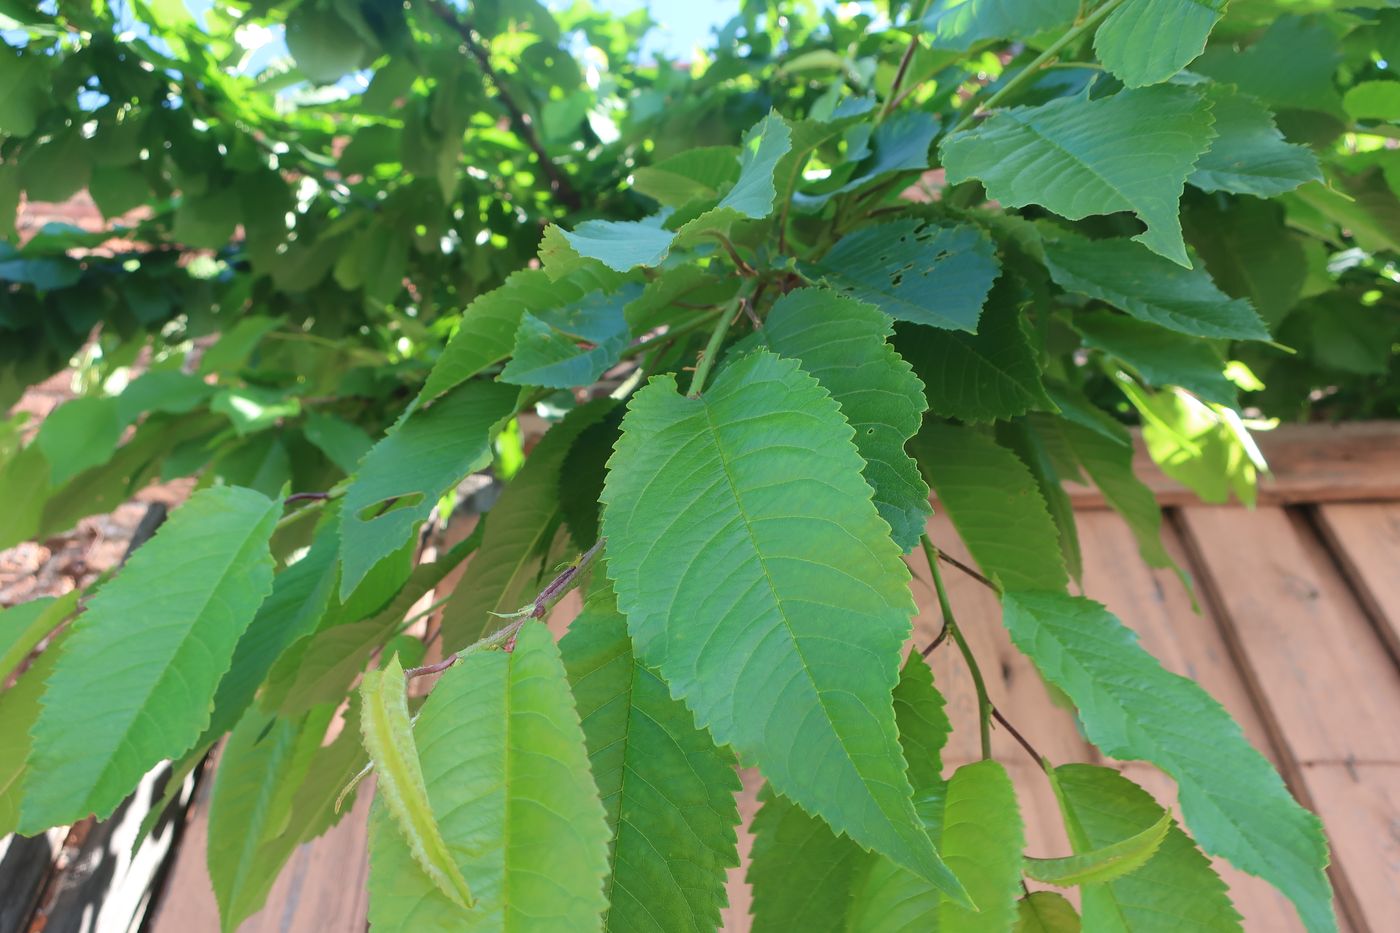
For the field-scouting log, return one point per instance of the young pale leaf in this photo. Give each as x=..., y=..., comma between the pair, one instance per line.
x=1150, y=289
x=22, y=627
x=1160, y=356
x=19, y=709
x=505, y=574
x=1104, y=863
x=260, y=769
x=1131, y=708
x=978, y=830
x=995, y=505
x=992, y=374
x=842, y=343
x=625, y=244
x=389, y=740
x=1147, y=41
x=731, y=518
x=172, y=615
x=403, y=476
x=926, y=274
x=508, y=776
x=960, y=24
x=1249, y=154
x=1045, y=912
x=547, y=352
x=1175, y=889
x=668, y=791
x=1075, y=156
x=805, y=876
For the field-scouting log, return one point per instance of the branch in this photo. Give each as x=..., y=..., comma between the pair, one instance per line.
x=949, y=559
x=549, y=596
x=524, y=126
x=985, y=710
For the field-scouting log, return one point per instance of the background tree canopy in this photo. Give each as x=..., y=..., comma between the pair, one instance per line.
x=848, y=254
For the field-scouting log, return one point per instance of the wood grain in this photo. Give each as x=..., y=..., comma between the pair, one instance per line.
x=1365, y=540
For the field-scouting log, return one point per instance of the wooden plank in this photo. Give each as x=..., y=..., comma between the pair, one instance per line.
x=1329, y=687
x=1352, y=462
x=1157, y=605
x=1365, y=540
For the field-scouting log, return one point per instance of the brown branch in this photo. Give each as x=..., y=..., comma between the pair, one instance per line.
x=953, y=561
x=524, y=126
x=1040, y=760
x=306, y=497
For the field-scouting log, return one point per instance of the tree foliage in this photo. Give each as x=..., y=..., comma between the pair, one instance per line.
x=764, y=304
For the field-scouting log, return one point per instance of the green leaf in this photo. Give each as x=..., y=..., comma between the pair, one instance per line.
x=78, y=435
x=993, y=501
x=486, y=333
x=1176, y=889
x=1249, y=154
x=1150, y=289
x=19, y=709
x=900, y=144
x=625, y=244
x=508, y=777
x=1104, y=863
x=741, y=505
x=1131, y=708
x=1290, y=66
x=421, y=457
x=939, y=276
x=1038, y=449
x=804, y=876
x=22, y=627
x=260, y=768
x=976, y=825
x=842, y=343
x=1373, y=100
x=1147, y=41
x=1160, y=356
x=1078, y=157
x=343, y=443
x=401, y=789
x=1109, y=464
x=1249, y=252
x=1045, y=912
x=668, y=791
x=547, y=352
x=984, y=376
x=507, y=572
x=960, y=24
x=140, y=669
x=693, y=175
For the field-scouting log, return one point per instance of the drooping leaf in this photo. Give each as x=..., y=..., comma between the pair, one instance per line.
x=1040, y=450
x=547, y=352
x=401, y=790
x=993, y=502
x=803, y=874
x=939, y=276
x=1150, y=289
x=899, y=144
x=1249, y=154
x=960, y=24
x=1249, y=252
x=259, y=770
x=668, y=791
x=1160, y=356
x=1045, y=912
x=507, y=571
x=172, y=616
x=19, y=710
x=1077, y=157
x=983, y=376
x=1176, y=889
x=22, y=627
x=1130, y=707
x=741, y=505
x=1290, y=65
x=1147, y=41
x=486, y=333
x=406, y=473
x=508, y=778
x=1104, y=863
x=843, y=344
x=79, y=434
x=976, y=825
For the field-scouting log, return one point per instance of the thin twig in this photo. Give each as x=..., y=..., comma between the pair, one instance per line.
x=938, y=640
x=558, y=182
x=984, y=702
x=1040, y=760
x=711, y=351
x=949, y=559
x=739, y=263
x=305, y=497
